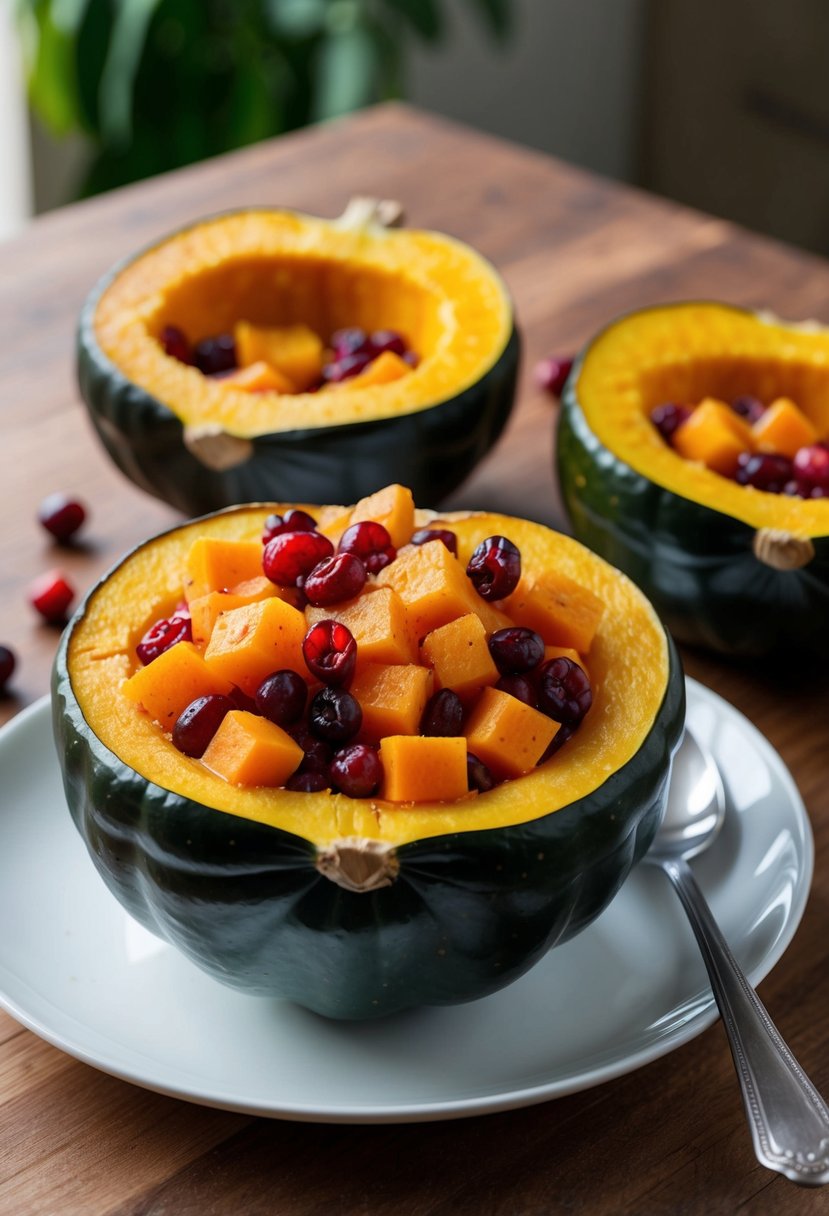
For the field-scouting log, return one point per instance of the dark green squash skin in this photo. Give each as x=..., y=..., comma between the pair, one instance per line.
x=696, y=565
x=431, y=451
x=468, y=912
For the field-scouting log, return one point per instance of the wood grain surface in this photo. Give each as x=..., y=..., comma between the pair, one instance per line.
x=575, y=251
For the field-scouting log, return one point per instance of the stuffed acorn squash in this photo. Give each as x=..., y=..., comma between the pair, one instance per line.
x=204, y=441
x=359, y=906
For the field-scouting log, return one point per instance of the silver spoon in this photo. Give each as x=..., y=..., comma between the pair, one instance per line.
x=789, y=1120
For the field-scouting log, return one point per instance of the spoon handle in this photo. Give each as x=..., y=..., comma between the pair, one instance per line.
x=789, y=1120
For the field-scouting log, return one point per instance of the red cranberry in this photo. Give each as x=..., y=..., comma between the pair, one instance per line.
x=748, y=407
x=811, y=470
x=564, y=692
x=561, y=736
x=335, y=579
x=61, y=516
x=292, y=521
x=516, y=649
x=519, y=687
x=669, y=417
x=371, y=542
x=281, y=697
x=411, y=357
x=51, y=595
x=552, y=374
x=317, y=752
x=387, y=339
x=8, y=662
x=478, y=776
x=197, y=724
x=308, y=781
x=443, y=714
x=334, y=715
x=424, y=535
x=293, y=555
x=243, y=700
x=345, y=368
x=495, y=568
x=213, y=356
x=162, y=635
x=330, y=652
x=764, y=472
x=345, y=342
x=175, y=344
x=356, y=770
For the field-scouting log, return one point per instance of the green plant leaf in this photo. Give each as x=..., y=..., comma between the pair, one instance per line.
x=48, y=30
x=498, y=16
x=126, y=48
x=424, y=16
x=296, y=18
x=91, y=48
x=345, y=72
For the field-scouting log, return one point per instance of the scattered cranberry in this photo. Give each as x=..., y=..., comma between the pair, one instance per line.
x=561, y=736
x=307, y=781
x=495, y=568
x=334, y=715
x=61, y=516
x=356, y=770
x=764, y=472
x=281, y=697
x=242, y=700
x=335, y=579
x=51, y=595
x=551, y=375
x=515, y=650
x=353, y=341
x=330, y=652
x=748, y=407
x=197, y=724
x=371, y=542
x=344, y=369
x=811, y=471
x=424, y=535
x=412, y=358
x=519, y=687
x=175, y=344
x=292, y=521
x=213, y=356
x=293, y=555
x=162, y=635
x=478, y=776
x=387, y=339
x=8, y=662
x=443, y=714
x=564, y=692
x=669, y=417
x=317, y=752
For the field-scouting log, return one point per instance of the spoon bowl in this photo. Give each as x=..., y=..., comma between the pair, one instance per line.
x=696, y=805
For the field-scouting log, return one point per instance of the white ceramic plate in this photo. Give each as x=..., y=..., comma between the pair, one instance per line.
x=78, y=971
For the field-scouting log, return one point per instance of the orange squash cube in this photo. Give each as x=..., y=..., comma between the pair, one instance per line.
x=379, y=623
x=206, y=610
x=392, y=698
x=166, y=686
x=213, y=564
x=249, y=750
x=421, y=769
x=459, y=656
x=563, y=611
x=293, y=351
x=714, y=436
x=783, y=429
x=509, y=736
x=249, y=643
x=393, y=507
x=383, y=370
x=562, y=652
x=258, y=378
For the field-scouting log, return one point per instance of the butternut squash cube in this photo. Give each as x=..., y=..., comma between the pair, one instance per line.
x=295, y=351
x=166, y=686
x=379, y=623
x=213, y=564
x=393, y=507
x=563, y=611
x=249, y=750
x=258, y=377
x=509, y=736
x=421, y=769
x=206, y=610
x=714, y=436
x=459, y=656
x=783, y=429
x=392, y=698
x=249, y=643
x=386, y=367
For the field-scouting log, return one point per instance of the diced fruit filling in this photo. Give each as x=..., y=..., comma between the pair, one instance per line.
x=368, y=660
x=292, y=358
x=773, y=447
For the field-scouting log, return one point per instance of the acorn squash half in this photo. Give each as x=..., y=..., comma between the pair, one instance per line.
x=351, y=907
x=727, y=566
x=200, y=444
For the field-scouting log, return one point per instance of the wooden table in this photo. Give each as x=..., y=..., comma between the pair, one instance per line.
x=575, y=251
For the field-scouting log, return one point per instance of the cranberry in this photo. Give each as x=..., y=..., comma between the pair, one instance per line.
x=516, y=649
x=213, y=356
x=345, y=368
x=669, y=417
x=334, y=715
x=281, y=697
x=424, y=535
x=764, y=472
x=519, y=687
x=292, y=521
x=356, y=770
x=748, y=407
x=8, y=662
x=551, y=374
x=197, y=724
x=61, y=516
x=317, y=753
x=811, y=470
x=564, y=692
x=330, y=652
x=478, y=776
x=345, y=342
x=308, y=781
x=242, y=700
x=371, y=542
x=387, y=339
x=561, y=736
x=51, y=595
x=175, y=344
x=335, y=579
x=162, y=635
x=443, y=714
x=411, y=357
x=495, y=568
x=293, y=555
